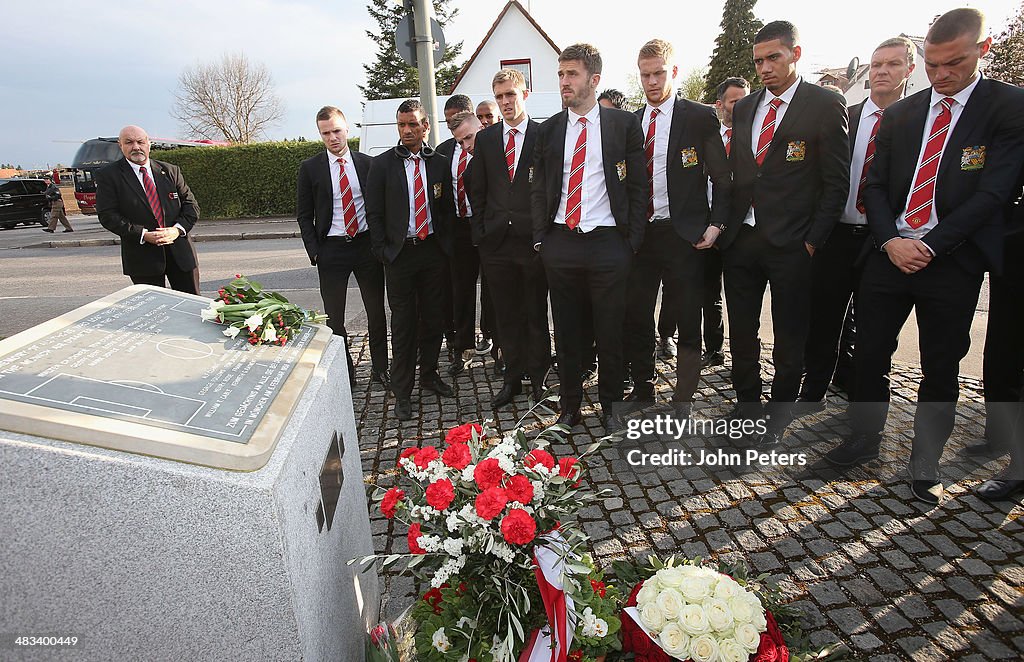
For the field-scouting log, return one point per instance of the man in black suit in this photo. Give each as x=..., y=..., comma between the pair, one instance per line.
x=683, y=148
x=945, y=167
x=331, y=213
x=500, y=191
x=408, y=208
x=835, y=269
x=588, y=196
x=790, y=158
x=148, y=204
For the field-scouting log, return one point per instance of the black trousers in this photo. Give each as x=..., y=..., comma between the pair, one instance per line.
x=414, y=284
x=751, y=264
x=666, y=319
x=714, y=326
x=519, y=291
x=944, y=297
x=465, y=269
x=835, y=272
x=182, y=280
x=592, y=267
x=1003, y=365
x=664, y=254
x=337, y=259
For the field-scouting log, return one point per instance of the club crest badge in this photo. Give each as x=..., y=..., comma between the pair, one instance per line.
x=689, y=156
x=973, y=158
x=796, y=150
x=620, y=169
x=438, y=189
x=173, y=195
x=529, y=174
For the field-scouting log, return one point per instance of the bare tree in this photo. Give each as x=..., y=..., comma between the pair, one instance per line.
x=230, y=99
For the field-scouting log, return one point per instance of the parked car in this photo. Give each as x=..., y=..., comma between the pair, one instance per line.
x=23, y=201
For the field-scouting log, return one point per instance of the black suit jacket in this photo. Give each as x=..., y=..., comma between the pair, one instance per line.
x=695, y=152
x=123, y=208
x=854, y=112
x=501, y=208
x=970, y=203
x=800, y=189
x=387, y=201
x=622, y=146
x=314, y=205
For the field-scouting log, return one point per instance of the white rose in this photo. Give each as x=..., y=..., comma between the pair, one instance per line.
x=746, y=635
x=731, y=651
x=670, y=602
x=254, y=322
x=652, y=618
x=647, y=593
x=670, y=577
x=719, y=615
x=694, y=588
x=727, y=588
x=759, y=621
x=440, y=641
x=742, y=609
x=704, y=649
x=694, y=621
x=675, y=642
x=231, y=331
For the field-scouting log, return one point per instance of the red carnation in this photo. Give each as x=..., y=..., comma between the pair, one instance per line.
x=414, y=536
x=519, y=489
x=390, y=500
x=434, y=598
x=518, y=527
x=598, y=587
x=539, y=456
x=440, y=494
x=488, y=474
x=408, y=452
x=491, y=502
x=457, y=456
x=567, y=468
x=463, y=433
x=425, y=456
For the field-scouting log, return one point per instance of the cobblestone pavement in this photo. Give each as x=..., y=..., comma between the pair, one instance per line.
x=867, y=565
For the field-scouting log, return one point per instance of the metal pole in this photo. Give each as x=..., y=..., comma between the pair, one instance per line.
x=425, y=59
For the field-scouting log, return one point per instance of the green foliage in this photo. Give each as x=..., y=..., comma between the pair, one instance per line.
x=243, y=180
x=1007, y=54
x=734, y=46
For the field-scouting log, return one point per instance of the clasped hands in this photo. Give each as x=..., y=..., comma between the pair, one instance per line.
x=909, y=255
x=162, y=236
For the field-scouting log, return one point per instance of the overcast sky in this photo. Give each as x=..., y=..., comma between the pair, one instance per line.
x=76, y=70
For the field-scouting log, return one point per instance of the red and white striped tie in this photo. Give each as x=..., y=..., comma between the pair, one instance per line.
x=419, y=199
x=348, y=208
x=574, y=204
x=460, y=184
x=728, y=141
x=153, y=197
x=510, y=153
x=869, y=156
x=919, y=209
x=764, y=139
x=649, y=151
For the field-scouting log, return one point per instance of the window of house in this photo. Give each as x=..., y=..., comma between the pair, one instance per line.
x=522, y=66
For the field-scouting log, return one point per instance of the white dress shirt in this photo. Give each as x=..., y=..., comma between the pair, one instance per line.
x=456, y=155
x=410, y=164
x=661, y=131
x=759, y=115
x=149, y=170
x=338, y=220
x=851, y=215
x=520, y=139
x=596, y=209
x=721, y=132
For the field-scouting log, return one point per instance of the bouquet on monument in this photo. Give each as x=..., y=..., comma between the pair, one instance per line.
x=491, y=527
x=266, y=317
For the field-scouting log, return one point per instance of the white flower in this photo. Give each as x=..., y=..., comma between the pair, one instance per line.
x=592, y=625
x=675, y=642
x=453, y=546
x=719, y=614
x=452, y=522
x=467, y=473
x=430, y=543
x=538, y=490
x=466, y=620
x=231, y=331
x=748, y=637
x=694, y=587
x=670, y=602
x=729, y=650
x=694, y=621
x=704, y=649
x=210, y=313
x=440, y=641
x=670, y=577
x=254, y=322
x=648, y=592
x=727, y=588
x=269, y=333
x=506, y=464
x=759, y=621
x=498, y=650
x=652, y=618
x=742, y=609
x=601, y=627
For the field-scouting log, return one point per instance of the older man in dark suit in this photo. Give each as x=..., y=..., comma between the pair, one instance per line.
x=331, y=213
x=945, y=168
x=790, y=157
x=589, y=194
x=148, y=204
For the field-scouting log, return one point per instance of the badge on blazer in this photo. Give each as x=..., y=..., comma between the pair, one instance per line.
x=689, y=156
x=796, y=150
x=973, y=158
x=529, y=174
x=620, y=169
x=438, y=189
x=173, y=195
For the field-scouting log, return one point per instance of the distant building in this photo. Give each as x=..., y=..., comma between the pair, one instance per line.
x=837, y=76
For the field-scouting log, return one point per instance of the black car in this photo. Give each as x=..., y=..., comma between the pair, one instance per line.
x=23, y=201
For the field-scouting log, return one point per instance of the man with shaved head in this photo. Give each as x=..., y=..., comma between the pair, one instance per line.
x=148, y=204
x=487, y=112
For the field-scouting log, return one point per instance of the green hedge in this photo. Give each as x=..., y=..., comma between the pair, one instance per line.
x=244, y=180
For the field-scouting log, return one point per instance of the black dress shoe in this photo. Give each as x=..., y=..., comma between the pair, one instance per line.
x=858, y=448
x=505, y=396
x=612, y=424
x=667, y=348
x=643, y=393
x=712, y=359
x=807, y=406
x=924, y=484
x=986, y=449
x=434, y=383
x=382, y=377
x=403, y=409
x=998, y=489
x=570, y=418
x=460, y=362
